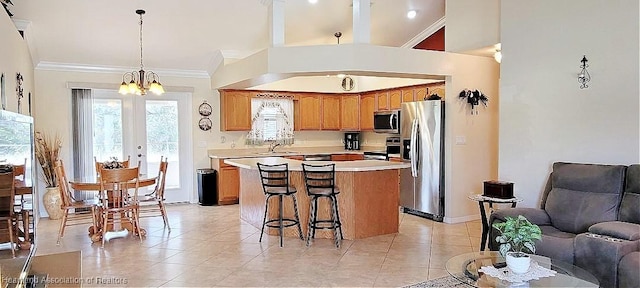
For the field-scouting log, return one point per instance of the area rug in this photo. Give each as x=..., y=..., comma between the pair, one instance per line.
x=446, y=281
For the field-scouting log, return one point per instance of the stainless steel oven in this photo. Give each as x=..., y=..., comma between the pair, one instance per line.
x=386, y=122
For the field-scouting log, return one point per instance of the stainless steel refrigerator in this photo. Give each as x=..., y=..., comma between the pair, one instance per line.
x=422, y=138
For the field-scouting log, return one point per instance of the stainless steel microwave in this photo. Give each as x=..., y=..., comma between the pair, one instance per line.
x=386, y=121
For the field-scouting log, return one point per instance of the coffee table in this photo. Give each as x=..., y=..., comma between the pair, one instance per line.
x=465, y=267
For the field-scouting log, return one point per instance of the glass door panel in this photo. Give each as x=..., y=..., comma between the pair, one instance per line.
x=107, y=129
x=163, y=138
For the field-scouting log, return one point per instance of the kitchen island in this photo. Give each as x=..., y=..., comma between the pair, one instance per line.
x=368, y=199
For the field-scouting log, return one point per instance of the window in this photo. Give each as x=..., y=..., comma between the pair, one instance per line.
x=272, y=120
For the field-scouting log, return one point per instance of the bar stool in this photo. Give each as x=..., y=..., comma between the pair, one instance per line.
x=275, y=182
x=320, y=182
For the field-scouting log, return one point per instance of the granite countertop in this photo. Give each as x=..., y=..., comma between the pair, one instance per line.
x=341, y=166
x=287, y=151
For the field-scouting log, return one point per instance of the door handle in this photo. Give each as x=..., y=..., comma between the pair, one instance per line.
x=140, y=155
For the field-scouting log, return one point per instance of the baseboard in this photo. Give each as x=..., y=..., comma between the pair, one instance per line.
x=454, y=220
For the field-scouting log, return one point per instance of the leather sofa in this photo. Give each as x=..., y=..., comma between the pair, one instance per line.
x=589, y=217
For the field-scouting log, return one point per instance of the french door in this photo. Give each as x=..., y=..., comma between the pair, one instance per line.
x=145, y=128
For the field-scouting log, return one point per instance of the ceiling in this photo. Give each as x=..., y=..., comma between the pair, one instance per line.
x=185, y=35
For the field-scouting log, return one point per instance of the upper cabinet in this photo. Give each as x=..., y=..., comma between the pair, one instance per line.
x=367, y=107
x=383, y=100
x=350, y=116
x=407, y=95
x=395, y=99
x=420, y=93
x=235, y=110
x=330, y=112
x=310, y=111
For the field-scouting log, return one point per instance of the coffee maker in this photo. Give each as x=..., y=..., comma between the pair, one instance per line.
x=351, y=141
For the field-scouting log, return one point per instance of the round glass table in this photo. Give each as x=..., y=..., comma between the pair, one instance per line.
x=465, y=268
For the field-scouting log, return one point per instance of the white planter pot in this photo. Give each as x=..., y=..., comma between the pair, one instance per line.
x=518, y=265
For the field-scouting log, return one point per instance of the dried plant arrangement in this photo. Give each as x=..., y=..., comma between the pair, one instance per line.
x=47, y=152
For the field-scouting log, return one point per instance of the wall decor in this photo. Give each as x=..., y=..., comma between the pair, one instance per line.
x=205, y=109
x=29, y=103
x=474, y=98
x=19, y=90
x=205, y=124
x=584, y=77
x=2, y=96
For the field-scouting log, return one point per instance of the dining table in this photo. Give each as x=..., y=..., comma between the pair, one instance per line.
x=92, y=183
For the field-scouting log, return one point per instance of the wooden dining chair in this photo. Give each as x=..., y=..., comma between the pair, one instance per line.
x=118, y=203
x=76, y=212
x=7, y=193
x=19, y=173
x=100, y=164
x=19, y=170
x=152, y=204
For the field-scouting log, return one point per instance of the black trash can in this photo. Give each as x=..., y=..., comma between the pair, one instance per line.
x=207, y=187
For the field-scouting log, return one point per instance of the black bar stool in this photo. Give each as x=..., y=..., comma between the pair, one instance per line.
x=275, y=182
x=320, y=182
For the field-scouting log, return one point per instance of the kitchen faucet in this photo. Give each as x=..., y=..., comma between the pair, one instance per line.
x=273, y=145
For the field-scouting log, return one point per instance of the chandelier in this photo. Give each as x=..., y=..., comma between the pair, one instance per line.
x=138, y=82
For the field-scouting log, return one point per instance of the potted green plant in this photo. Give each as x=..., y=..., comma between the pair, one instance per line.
x=47, y=152
x=516, y=240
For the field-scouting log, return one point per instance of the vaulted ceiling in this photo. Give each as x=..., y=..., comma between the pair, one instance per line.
x=185, y=34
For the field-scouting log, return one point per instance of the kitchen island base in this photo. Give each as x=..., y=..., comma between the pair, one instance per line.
x=368, y=203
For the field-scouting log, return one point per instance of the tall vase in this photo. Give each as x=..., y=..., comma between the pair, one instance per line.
x=52, y=203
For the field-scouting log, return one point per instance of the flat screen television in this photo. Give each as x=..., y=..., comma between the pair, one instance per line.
x=17, y=148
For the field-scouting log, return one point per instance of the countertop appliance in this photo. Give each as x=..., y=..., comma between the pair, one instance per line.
x=422, y=137
x=351, y=141
x=375, y=155
x=386, y=121
x=393, y=145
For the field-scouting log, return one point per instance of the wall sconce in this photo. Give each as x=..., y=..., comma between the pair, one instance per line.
x=584, y=77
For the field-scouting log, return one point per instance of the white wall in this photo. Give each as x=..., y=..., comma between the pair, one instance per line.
x=544, y=115
x=471, y=24
x=52, y=109
x=15, y=58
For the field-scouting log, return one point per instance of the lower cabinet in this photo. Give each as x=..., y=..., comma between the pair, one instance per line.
x=346, y=157
x=228, y=183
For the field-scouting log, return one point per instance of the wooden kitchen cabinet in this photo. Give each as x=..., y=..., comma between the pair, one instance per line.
x=353, y=157
x=420, y=93
x=395, y=99
x=350, y=116
x=235, y=110
x=339, y=157
x=310, y=112
x=330, y=112
x=407, y=95
x=228, y=182
x=382, y=101
x=367, y=107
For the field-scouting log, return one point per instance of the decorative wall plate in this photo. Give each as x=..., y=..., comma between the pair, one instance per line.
x=205, y=109
x=205, y=124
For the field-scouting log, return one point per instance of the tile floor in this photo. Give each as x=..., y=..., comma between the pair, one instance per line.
x=211, y=246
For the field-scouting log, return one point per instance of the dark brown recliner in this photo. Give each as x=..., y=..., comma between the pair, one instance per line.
x=611, y=250
x=577, y=196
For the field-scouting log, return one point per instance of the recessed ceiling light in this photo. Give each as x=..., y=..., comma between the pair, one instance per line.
x=313, y=1
x=411, y=14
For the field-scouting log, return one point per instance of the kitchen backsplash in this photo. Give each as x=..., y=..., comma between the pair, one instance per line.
x=231, y=140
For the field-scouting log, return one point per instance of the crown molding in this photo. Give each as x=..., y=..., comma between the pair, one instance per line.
x=21, y=25
x=215, y=62
x=73, y=67
x=425, y=33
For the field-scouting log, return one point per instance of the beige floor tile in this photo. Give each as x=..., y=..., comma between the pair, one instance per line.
x=211, y=246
